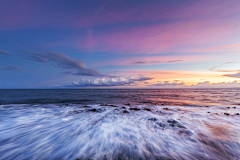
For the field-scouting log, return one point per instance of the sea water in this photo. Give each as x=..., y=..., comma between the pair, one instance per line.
x=120, y=124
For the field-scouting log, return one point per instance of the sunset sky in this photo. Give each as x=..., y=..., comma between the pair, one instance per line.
x=119, y=43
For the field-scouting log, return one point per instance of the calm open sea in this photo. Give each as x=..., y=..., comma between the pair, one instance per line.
x=120, y=124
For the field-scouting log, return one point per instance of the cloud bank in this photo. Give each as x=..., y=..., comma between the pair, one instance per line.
x=74, y=67
x=206, y=84
x=107, y=81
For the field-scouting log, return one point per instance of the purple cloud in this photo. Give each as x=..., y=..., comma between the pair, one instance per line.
x=5, y=53
x=74, y=67
x=12, y=68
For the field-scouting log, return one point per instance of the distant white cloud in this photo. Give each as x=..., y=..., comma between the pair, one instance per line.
x=11, y=68
x=205, y=84
x=108, y=81
x=5, y=52
x=74, y=67
x=169, y=84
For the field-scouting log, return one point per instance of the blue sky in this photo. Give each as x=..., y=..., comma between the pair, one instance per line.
x=59, y=44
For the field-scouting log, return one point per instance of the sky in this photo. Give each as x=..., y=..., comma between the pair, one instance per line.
x=119, y=43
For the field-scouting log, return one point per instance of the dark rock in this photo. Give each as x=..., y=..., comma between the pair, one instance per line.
x=128, y=104
x=75, y=112
x=123, y=107
x=125, y=111
x=174, y=123
x=135, y=109
x=207, y=106
x=96, y=110
x=165, y=108
x=185, y=132
x=228, y=107
x=226, y=114
x=234, y=107
x=237, y=114
x=147, y=109
x=208, y=112
x=161, y=124
x=66, y=104
x=86, y=106
x=162, y=104
x=0, y=103
x=93, y=110
x=111, y=105
x=152, y=119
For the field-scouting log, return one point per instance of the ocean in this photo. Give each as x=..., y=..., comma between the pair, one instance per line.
x=120, y=124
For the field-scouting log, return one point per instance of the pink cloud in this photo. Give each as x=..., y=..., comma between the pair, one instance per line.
x=153, y=60
x=173, y=37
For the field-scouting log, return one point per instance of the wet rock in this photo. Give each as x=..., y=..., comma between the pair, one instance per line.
x=174, y=123
x=228, y=107
x=0, y=103
x=185, y=132
x=226, y=114
x=86, y=106
x=123, y=107
x=75, y=112
x=111, y=105
x=165, y=108
x=66, y=104
x=162, y=104
x=234, y=107
x=125, y=111
x=161, y=124
x=93, y=110
x=135, y=109
x=207, y=106
x=237, y=114
x=208, y=112
x=147, y=109
x=128, y=104
x=96, y=110
x=152, y=119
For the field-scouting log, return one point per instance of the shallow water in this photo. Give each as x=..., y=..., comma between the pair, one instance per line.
x=58, y=131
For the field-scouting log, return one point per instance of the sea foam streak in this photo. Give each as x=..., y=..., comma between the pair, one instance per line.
x=52, y=131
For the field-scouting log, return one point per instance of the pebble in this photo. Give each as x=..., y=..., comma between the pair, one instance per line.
x=226, y=114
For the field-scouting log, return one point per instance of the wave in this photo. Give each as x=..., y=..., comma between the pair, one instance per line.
x=117, y=131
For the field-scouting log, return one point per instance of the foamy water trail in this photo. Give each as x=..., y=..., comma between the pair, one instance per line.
x=53, y=131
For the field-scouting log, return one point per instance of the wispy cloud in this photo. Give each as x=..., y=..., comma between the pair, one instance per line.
x=74, y=67
x=237, y=75
x=11, y=68
x=107, y=81
x=5, y=52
